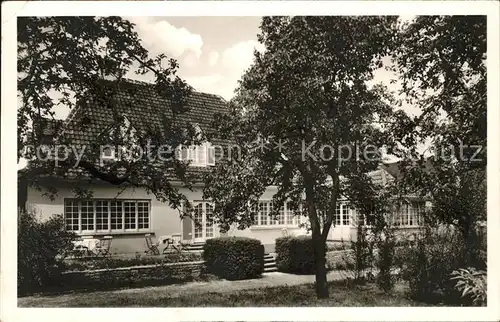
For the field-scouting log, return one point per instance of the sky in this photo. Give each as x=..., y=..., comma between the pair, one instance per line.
x=213, y=52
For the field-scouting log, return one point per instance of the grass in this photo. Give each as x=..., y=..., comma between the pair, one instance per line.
x=300, y=295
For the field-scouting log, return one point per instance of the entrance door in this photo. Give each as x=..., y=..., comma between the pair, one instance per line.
x=341, y=230
x=203, y=221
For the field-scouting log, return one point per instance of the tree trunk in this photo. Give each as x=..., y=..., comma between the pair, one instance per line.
x=319, y=243
x=319, y=254
x=22, y=195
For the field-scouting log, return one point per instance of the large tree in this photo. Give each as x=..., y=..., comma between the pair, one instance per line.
x=305, y=121
x=63, y=62
x=440, y=61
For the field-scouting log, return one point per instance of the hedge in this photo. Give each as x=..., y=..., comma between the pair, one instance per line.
x=295, y=255
x=234, y=258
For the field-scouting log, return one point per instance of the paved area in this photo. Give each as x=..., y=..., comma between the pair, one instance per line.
x=268, y=280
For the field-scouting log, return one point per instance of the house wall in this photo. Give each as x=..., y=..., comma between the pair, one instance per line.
x=164, y=219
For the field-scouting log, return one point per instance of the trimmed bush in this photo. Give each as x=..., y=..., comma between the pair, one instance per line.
x=234, y=258
x=295, y=255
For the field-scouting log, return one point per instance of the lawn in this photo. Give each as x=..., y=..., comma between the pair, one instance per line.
x=298, y=295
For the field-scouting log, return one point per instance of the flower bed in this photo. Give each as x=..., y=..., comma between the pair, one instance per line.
x=116, y=262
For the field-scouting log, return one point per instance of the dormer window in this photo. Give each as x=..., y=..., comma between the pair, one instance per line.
x=198, y=155
x=126, y=133
x=108, y=153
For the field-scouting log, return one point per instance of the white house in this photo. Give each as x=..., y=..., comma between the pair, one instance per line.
x=129, y=213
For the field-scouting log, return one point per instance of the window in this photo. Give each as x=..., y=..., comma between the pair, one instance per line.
x=345, y=215
x=87, y=215
x=199, y=155
x=204, y=221
x=71, y=215
x=143, y=214
x=408, y=215
x=263, y=213
x=210, y=155
x=101, y=215
x=290, y=218
x=116, y=215
x=198, y=221
x=281, y=216
x=338, y=214
x=342, y=215
x=285, y=216
x=129, y=214
x=108, y=153
x=209, y=213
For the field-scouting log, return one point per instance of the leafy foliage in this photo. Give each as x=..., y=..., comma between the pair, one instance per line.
x=359, y=257
x=308, y=89
x=472, y=283
x=441, y=65
x=385, y=263
x=41, y=247
x=428, y=265
x=234, y=258
x=72, y=62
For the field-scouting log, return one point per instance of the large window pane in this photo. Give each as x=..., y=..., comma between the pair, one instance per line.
x=289, y=216
x=71, y=215
x=130, y=214
x=116, y=215
x=263, y=213
x=345, y=215
x=143, y=214
x=87, y=215
x=209, y=220
x=101, y=215
x=338, y=214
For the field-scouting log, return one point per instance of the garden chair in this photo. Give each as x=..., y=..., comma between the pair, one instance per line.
x=103, y=246
x=152, y=248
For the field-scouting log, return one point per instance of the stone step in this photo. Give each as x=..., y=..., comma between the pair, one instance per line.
x=270, y=269
x=270, y=264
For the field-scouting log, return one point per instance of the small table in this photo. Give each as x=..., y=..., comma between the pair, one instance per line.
x=85, y=246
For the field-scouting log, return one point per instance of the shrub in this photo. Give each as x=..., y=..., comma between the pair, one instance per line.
x=428, y=265
x=234, y=258
x=295, y=255
x=384, y=263
x=41, y=248
x=472, y=284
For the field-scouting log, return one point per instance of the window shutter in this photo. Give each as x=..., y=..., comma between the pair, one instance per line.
x=210, y=155
x=201, y=151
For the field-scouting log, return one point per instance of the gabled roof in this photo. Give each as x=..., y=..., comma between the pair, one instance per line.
x=142, y=106
x=145, y=109
x=394, y=170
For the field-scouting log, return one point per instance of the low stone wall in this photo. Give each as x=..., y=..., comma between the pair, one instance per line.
x=134, y=276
